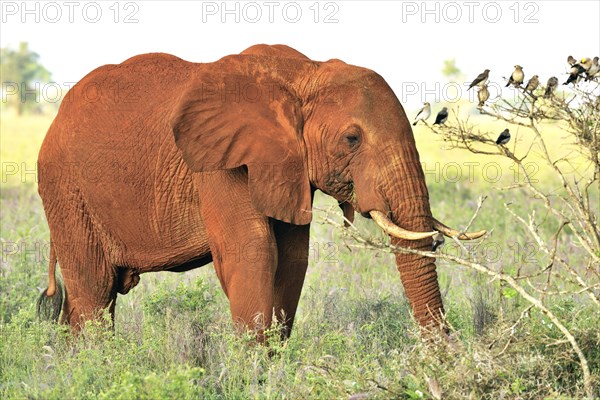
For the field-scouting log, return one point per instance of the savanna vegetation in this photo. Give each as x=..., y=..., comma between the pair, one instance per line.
x=354, y=335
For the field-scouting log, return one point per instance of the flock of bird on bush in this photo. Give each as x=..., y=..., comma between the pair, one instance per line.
x=587, y=69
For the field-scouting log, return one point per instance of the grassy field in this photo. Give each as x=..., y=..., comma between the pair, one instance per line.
x=354, y=334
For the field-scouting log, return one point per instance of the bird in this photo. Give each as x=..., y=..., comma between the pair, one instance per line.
x=533, y=83
x=573, y=75
x=504, y=137
x=517, y=77
x=551, y=87
x=481, y=79
x=571, y=60
x=482, y=95
x=586, y=63
x=594, y=70
x=423, y=113
x=577, y=69
x=438, y=240
x=441, y=117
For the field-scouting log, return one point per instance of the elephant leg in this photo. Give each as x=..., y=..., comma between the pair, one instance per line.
x=292, y=246
x=243, y=247
x=90, y=287
x=90, y=281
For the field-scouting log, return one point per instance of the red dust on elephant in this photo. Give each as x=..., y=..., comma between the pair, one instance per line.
x=217, y=156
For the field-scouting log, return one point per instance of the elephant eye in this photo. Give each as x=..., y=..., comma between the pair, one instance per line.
x=352, y=137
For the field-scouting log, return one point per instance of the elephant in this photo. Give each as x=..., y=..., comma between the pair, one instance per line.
x=160, y=164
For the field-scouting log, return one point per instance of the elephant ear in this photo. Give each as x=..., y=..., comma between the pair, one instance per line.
x=227, y=120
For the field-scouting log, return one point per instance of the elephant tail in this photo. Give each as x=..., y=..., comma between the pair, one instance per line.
x=50, y=301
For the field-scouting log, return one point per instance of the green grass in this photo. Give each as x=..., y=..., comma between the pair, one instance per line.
x=20, y=142
x=354, y=332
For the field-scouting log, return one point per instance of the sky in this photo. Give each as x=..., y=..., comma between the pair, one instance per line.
x=404, y=41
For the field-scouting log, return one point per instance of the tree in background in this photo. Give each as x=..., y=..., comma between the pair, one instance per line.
x=21, y=71
x=451, y=71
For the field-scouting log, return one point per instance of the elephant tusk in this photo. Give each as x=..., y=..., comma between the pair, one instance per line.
x=394, y=230
x=454, y=233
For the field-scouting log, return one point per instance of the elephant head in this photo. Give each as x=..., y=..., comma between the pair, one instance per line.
x=299, y=125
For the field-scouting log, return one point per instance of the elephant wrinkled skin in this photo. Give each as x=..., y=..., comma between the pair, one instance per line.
x=162, y=164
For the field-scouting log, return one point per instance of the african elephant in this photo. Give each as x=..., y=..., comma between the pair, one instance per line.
x=161, y=164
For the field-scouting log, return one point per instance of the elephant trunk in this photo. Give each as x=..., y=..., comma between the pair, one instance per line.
x=408, y=199
x=419, y=277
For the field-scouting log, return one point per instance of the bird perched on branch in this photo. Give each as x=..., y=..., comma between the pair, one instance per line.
x=441, y=117
x=551, y=87
x=533, y=83
x=517, y=77
x=574, y=73
x=594, y=70
x=438, y=240
x=483, y=95
x=481, y=79
x=423, y=113
x=504, y=137
x=577, y=69
x=586, y=64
